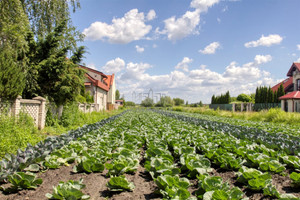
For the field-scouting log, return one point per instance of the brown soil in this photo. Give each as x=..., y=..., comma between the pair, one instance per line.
x=144, y=185
x=95, y=186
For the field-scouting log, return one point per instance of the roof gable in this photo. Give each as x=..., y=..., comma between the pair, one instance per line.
x=286, y=83
x=291, y=95
x=293, y=68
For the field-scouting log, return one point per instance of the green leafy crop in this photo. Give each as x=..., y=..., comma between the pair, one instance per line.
x=21, y=180
x=120, y=183
x=68, y=190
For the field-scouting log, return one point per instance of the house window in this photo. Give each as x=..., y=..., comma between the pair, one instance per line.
x=298, y=84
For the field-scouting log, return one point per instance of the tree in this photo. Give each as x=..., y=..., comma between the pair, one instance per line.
x=243, y=98
x=117, y=95
x=148, y=102
x=165, y=102
x=178, y=101
x=58, y=78
x=280, y=91
x=200, y=104
x=13, y=46
x=130, y=103
x=44, y=16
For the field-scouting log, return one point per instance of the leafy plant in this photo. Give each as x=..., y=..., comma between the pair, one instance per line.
x=21, y=180
x=122, y=165
x=68, y=190
x=273, y=166
x=88, y=165
x=120, y=183
x=295, y=179
x=213, y=187
x=173, y=187
x=195, y=163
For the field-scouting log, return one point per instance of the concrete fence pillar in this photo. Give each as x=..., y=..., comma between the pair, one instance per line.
x=242, y=107
x=42, y=112
x=16, y=106
x=233, y=107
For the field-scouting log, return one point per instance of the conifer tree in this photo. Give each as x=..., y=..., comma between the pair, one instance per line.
x=13, y=46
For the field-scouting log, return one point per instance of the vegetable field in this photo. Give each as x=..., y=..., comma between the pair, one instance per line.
x=152, y=154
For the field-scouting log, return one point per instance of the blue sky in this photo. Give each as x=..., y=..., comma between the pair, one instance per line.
x=190, y=49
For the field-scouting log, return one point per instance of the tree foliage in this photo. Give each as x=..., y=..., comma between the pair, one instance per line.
x=117, y=94
x=178, y=101
x=13, y=46
x=51, y=74
x=44, y=16
x=265, y=94
x=148, y=102
x=165, y=102
x=243, y=98
x=222, y=99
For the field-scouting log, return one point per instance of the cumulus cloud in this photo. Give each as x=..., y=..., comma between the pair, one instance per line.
x=298, y=47
x=203, y=5
x=197, y=84
x=184, y=64
x=139, y=49
x=113, y=66
x=265, y=41
x=123, y=30
x=151, y=15
x=260, y=59
x=178, y=28
x=211, y=48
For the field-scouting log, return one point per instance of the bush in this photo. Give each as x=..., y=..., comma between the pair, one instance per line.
x=16, y=133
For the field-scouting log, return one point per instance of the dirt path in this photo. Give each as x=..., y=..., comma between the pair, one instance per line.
x=95, y=186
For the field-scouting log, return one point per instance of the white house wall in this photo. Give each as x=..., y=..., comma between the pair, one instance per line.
x=112, y=93
x=101, y=98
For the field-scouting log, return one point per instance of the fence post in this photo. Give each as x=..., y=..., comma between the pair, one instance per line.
x=16, y=106
x=242, y=107
x=42, y=112
x=233, y=107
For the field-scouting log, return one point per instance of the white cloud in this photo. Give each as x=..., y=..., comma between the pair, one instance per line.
x=298, y=47
x=113, y=66
x=91, y=65
x=184, y=64
x=298, y=60
x=154, y=46
x=211, y=48
x=123, y=30
x=219, y=20
x=197, y=84
x=203, y=5
x=265, y=41
x=139, y=49
x=151, y=15
x=178, y=28
x=260, y=59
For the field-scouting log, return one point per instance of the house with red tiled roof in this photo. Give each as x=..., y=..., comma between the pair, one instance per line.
x=101, y=86
x=291, y=101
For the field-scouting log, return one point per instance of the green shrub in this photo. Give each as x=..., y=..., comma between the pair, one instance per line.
x=16, y=133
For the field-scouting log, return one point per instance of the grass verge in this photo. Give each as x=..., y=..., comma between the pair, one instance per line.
x=16, y=133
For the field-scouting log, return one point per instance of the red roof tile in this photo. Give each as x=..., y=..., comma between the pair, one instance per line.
x=93, y=70
x=98, y=83
x=286, y=83
x=291, y=95
x=293, y=67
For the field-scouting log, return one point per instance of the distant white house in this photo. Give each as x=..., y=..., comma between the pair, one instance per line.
x=101, y=86
x=291, y=101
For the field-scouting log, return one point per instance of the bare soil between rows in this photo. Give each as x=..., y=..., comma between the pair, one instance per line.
x=144, y=186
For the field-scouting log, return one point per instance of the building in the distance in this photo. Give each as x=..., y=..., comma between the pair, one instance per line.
x=291, y=101
x=101, y=86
